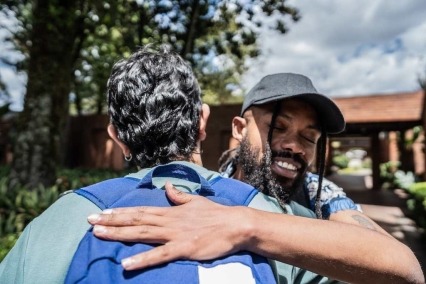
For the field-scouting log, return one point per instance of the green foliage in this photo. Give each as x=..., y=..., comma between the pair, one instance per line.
x=367, y=163
x=404, y=179
x=4, y=98
x=418, y=189
x=349, y=171
x=417, y=202
x=216, y=37
x=19, y=206
x=392, y=177
x=387, y=174
x=341, y=161
x=69, y=47
x=6, y=244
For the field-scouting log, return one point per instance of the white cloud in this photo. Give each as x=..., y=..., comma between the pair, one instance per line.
x=350, y=47
x=14, y=81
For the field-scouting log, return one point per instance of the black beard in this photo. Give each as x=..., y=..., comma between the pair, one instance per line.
x=259, y=174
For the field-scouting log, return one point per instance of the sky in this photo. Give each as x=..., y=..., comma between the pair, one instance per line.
x=346, y=47
x=350, y=47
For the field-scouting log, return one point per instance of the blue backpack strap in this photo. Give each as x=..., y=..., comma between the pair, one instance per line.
x=222, y=190
x=106, y=193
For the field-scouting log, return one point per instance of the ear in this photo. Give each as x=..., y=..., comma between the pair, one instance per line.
x=112, y=132
x=239, y=128
x=204, y=116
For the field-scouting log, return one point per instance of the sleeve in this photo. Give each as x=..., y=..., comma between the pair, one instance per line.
x=44, y=251
x=333, y=198
x=12, y=266
x=285, y=273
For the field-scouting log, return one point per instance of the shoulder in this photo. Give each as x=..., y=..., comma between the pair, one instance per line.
x=300, y=210
x=267, y=203
x=49, y=241
x=333, y=198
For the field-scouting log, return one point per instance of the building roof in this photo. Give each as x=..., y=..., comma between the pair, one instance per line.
x=398, y=107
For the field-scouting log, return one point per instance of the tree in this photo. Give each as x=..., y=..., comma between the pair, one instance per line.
x=51, y=48
x=4, y=95
x=215, y=36
x=72, y=44
x=422, y=82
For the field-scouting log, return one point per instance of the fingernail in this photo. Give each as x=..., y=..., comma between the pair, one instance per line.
x=99, y=229
x=94, y=217
x=127, y=262
x=107, y=211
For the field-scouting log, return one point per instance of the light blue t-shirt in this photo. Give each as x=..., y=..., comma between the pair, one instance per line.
x=45, y=249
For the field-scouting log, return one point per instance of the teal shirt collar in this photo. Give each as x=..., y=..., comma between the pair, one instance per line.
x=183, y=185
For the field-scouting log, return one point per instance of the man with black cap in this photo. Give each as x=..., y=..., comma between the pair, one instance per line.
x=283, y=125
x=281, y=171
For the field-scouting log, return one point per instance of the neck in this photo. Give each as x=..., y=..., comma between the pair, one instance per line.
x=196, y=155
x=196, y=159
x=239, y=175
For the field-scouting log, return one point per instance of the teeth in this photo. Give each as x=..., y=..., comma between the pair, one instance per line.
x=286, y=165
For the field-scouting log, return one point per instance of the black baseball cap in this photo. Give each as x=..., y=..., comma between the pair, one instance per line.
x=281, y=86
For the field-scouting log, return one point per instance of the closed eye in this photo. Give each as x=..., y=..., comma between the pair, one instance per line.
x=309, y=139
x=279, y=128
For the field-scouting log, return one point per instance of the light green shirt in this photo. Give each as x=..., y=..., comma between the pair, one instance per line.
x=45, y=249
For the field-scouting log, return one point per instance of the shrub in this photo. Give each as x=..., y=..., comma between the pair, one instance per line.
x=21, y=205
x=7, y=243
x=341, y=161
x=391, y=177
x=417, y=202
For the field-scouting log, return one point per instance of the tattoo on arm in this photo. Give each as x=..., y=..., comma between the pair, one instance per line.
x=364, y=222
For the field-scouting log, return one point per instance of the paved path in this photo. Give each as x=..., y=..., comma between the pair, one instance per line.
x=389, y=210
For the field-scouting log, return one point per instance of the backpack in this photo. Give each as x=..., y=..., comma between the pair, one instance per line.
x=99, y=261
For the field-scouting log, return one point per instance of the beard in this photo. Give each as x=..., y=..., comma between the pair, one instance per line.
x=257, y=171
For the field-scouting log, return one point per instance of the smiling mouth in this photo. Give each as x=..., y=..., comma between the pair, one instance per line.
x=285, y=165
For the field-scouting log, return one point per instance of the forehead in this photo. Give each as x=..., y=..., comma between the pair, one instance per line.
x=290, y=108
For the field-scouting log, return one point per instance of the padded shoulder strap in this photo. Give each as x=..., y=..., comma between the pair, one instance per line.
x=223, y=190
x=237, y=192
x=106, y=193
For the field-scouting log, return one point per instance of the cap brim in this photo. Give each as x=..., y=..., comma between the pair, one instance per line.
x=329, y=113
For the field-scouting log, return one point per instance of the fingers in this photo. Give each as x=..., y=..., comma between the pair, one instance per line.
x=176, y=196
x=140, y=209
x=146, y=234
x=126, y=219
x=159, y=255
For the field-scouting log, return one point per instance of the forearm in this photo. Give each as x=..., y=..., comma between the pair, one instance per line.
x=330, y=248
x=201, y=229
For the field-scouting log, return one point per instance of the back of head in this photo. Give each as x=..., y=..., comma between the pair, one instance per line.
x=154, y=103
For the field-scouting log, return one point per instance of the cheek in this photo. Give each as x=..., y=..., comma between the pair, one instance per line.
x=256, y=136
x=257, y=147
x=310, y=154
x=255, y=139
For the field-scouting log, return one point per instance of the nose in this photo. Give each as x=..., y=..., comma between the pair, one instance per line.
x=292, y=143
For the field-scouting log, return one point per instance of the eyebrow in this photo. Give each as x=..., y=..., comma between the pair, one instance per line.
x=315, y=126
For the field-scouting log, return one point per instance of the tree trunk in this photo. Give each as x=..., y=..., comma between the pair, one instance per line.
x=37, y=147
x=190, y=30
